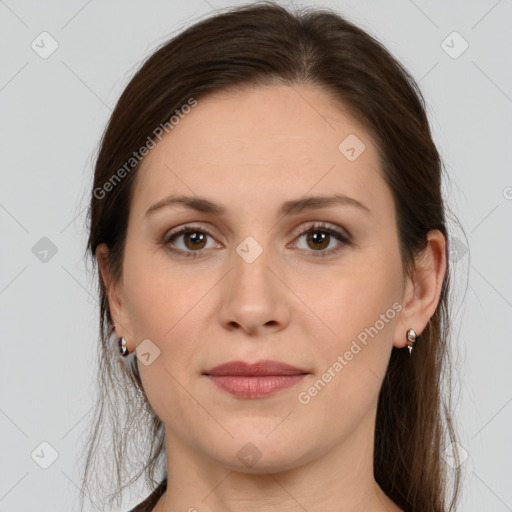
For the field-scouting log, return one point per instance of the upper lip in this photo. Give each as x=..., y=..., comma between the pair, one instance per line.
x=258, y=368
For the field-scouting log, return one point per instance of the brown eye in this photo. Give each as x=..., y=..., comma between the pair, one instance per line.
x=319, y=239
x=194, y=240
x=319, y=236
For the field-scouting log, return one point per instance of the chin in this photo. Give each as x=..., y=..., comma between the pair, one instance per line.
x=259, y=454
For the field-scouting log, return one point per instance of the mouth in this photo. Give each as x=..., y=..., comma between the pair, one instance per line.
x=255, y=380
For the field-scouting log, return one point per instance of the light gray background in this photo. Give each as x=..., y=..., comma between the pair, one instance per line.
x=52, y=114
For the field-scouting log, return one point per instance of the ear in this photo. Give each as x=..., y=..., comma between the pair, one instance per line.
x=422, y=289
x=115, y=297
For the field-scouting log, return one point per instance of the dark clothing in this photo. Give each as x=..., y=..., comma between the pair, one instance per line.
x=148, y=504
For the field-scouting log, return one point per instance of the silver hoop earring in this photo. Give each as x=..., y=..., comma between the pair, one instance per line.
x=411, y=338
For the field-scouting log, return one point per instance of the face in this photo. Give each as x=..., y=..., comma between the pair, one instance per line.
x=318, y=288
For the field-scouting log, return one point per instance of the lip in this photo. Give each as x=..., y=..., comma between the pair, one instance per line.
x=255, y=380
x=256, y=369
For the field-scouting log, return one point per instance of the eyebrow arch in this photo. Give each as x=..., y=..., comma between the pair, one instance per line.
x=295, y=206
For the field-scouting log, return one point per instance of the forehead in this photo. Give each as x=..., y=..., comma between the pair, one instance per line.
x=249, y=143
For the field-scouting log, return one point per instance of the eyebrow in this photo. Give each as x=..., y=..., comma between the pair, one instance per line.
x=295, y=206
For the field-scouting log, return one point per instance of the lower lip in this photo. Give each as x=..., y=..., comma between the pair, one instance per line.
x=255, y=387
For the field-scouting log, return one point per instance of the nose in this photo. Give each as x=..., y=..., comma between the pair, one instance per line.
x=254, y=297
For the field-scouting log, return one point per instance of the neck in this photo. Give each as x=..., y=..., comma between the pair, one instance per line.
x=341, y=479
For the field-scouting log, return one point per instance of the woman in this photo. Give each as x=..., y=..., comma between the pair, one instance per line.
x=270, y=234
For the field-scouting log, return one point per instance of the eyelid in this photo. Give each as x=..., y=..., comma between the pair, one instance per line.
x=182, y=230
x=321, y=225
x=341, y=234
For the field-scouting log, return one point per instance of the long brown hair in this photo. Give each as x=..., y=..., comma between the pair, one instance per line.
x=259, y=44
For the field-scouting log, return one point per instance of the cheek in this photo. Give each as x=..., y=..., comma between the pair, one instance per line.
x=353, y=361
x=358, y=317
x=163, y=307
x=157, y=296
x=354, y=299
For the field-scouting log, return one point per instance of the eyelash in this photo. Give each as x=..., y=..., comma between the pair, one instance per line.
x=316, y=227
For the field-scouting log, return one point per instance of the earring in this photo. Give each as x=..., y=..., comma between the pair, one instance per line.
x=411, y=338
x=122, y=347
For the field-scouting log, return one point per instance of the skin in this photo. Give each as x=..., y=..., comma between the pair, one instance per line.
x=250, y=151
